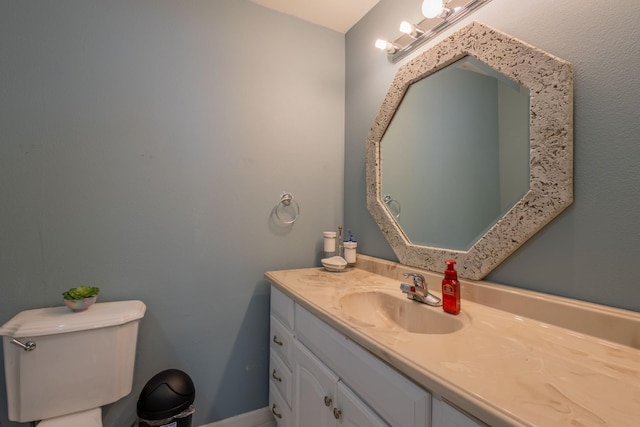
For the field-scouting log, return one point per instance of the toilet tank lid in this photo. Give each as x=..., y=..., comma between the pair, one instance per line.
x=60, y=320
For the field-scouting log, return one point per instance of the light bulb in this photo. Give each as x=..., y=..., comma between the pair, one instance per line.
x=410, y=29
x=388, y=46
x=381, y=44
x=406, y=27
x=432, y=8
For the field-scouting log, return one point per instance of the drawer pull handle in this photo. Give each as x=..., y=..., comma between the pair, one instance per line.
x=277, y=341
x=275, y=377
x=273, y=411
x=337, y=413
x=327, y=401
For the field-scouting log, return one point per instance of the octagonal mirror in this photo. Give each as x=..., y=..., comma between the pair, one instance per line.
x=472, y=151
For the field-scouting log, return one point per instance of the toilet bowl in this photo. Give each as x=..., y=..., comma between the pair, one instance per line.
x=61, y=366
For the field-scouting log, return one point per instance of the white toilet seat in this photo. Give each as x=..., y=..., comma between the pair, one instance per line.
x=90, y=418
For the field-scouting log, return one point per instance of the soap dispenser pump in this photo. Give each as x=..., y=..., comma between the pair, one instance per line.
x=451, y=289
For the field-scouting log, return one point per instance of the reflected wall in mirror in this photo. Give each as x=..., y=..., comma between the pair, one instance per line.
x=455, y=156
x=472, y=161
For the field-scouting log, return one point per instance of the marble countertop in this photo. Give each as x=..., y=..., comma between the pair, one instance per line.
x=503, y=368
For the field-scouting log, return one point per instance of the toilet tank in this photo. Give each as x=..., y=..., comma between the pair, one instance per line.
x=82, y=360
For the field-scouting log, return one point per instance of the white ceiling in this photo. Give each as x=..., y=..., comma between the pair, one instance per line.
x=338, y=15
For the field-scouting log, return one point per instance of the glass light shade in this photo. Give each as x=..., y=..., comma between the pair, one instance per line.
x=432, y=8
x=382, y=44
x=406, y=27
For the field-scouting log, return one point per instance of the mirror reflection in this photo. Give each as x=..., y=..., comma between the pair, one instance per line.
x=453, y=178
x=455, y=156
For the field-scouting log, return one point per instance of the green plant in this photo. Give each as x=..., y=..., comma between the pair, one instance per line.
x=81, y=292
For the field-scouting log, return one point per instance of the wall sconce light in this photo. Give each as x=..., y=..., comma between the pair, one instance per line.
x=439, y=15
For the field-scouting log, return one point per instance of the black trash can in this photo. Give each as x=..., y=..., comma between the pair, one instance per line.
x=167, y=400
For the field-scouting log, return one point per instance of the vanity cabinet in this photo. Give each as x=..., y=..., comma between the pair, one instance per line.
x=319, y=377
x=281, y=359
x=445, y=415
x=322, y=400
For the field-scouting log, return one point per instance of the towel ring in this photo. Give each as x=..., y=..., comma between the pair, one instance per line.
x=392, y=204
x=287, y=201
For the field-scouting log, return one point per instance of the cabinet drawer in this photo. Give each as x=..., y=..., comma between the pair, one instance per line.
x=281, y=377
x=281, y=412
x=281, y=341
x=399, y=401
x=282, y=307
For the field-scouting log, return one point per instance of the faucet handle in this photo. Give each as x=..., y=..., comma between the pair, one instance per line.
x=418, y=279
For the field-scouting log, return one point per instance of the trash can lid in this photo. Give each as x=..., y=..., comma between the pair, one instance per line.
x=166, y=394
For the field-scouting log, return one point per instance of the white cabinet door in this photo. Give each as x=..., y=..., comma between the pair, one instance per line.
x=350, y=411
x=445, y=415
x=322, y=400
x=315, y=390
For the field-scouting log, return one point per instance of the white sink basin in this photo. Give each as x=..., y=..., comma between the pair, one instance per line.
x=383, y=310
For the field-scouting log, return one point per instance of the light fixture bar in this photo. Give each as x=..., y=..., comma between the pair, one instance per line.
x=454, y=15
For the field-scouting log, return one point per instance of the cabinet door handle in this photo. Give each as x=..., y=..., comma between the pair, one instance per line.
x=273, y=411
x=337, y=413
x=327, y=401
x=275, y=377
x=277, y=341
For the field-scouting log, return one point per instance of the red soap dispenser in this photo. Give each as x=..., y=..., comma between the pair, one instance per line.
x=451, y=289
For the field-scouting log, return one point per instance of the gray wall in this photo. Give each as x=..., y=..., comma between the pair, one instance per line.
x=143, y=146
x=419, y=146
x=590, y=251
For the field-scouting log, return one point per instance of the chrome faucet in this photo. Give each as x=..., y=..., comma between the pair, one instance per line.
x=418, y=291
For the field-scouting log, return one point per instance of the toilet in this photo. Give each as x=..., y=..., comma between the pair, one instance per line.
x=61, y=366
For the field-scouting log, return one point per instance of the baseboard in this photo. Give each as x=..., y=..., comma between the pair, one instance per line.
x=258, y=418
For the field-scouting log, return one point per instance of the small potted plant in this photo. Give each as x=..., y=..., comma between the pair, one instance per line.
x=80, y=298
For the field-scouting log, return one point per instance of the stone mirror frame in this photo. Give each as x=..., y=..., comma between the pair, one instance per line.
x=550, y=84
